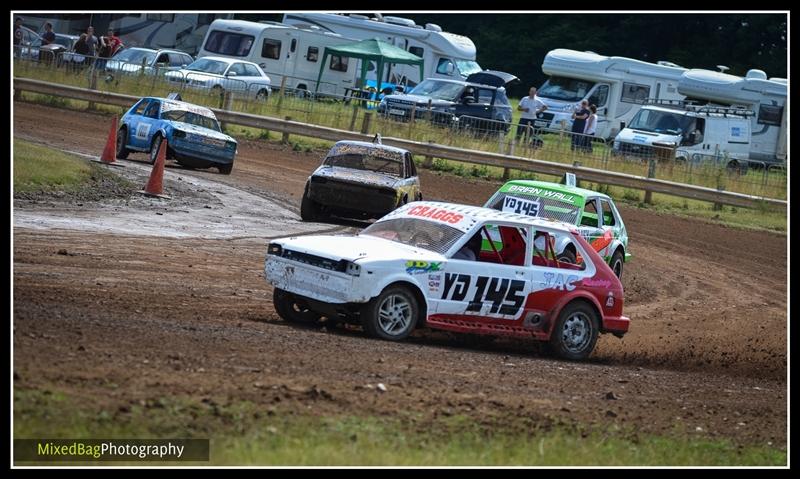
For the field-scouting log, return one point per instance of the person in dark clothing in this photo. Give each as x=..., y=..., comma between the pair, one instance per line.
x=17, y=31
x=579, y=117
x=48, y=37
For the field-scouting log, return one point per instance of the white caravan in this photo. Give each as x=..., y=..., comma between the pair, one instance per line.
x=284, y=51
x=617, y=85
x=767, y=98
x=698, y=133
x=446, y=55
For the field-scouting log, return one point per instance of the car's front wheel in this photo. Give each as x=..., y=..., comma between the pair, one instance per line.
x=154, y=147
x=309, y=209
x=575, y=332
x=391, y=315
x=225, y=169
x=122, y=139
x=290, y=309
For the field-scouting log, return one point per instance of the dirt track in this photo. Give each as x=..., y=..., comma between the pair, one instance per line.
x=159, y=316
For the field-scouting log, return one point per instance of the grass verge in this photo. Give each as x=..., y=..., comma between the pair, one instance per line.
x=249, y=434
x=39, y=168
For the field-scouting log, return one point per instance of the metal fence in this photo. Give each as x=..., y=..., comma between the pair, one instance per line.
x=348, y=112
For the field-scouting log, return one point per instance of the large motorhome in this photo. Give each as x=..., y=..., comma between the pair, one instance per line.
x=619, y=86
x=446, y=55
x=765, y=97
x=284, y=51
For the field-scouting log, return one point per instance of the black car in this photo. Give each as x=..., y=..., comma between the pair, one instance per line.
x=479, y=103
x=360, y=180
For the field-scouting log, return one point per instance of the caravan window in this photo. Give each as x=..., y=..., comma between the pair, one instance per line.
x=632, y=93
x=444, y=66
x=770, y=115
x=339, y=63
x=229, y=44
x=271, y=49
x=312, y=54
x=418, y=51
x=600, y=96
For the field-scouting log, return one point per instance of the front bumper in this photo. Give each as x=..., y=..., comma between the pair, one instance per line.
x=201, y=154
x=312, y=282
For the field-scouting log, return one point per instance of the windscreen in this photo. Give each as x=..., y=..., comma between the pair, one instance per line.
x=429, y=235
x=136, y=56
x=208, y=66
x=534, y=205
x=439, y=90
x=660, y=122
x=191, y=118
x=565, y=89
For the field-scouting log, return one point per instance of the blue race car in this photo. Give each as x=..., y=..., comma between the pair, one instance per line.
x=194, y=137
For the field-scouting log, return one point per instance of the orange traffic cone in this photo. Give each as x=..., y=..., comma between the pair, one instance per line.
x=109, y=156
x=155, y=186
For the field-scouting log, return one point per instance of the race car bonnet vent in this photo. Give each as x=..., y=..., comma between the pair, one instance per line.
x=174, y=96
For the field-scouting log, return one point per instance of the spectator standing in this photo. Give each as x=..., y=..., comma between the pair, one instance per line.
x=48, y=37
x=112, y=43
x=579, y=117
x=591, y=128
x=530, y=106
x=92, y=42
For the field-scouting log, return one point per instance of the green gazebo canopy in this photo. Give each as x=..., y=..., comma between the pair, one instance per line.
x=372, y=50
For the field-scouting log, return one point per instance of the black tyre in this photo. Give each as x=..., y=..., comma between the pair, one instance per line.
x=392, y=315
x=154, y=146
x=567, y=256
x=290, y=309
x=575, y=332
x=262, y=95
x=122, y=139
x=617, y=262
x=225, y=169
x=309, y=209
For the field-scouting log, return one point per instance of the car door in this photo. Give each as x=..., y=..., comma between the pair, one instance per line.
x=235, y=77
x=409, y=185
x=254, y=78
x=492, y=288
x=146, y=125
x=132, y=120
x=611, y=226
x=590, y=223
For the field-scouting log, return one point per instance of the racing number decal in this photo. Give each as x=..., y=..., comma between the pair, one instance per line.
x=142, y=129
x=506, y=296
x=520, y=206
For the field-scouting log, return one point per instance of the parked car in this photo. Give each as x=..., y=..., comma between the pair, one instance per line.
x=219, y=73
x=193, y=134
x=361, y=180
x=404, y=271
x=594, y=215
x=479, y=103
x=147, y=60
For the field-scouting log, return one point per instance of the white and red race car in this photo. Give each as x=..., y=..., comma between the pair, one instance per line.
x=453, y=267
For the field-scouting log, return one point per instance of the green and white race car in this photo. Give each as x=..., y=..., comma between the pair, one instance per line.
x=593, y=213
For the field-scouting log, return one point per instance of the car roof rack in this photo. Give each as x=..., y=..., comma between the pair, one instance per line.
x=701, y=107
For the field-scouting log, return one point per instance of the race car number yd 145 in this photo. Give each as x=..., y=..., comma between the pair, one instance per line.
x=499, y=292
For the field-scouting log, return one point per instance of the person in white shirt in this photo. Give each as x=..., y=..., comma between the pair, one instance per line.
x=530, y=106
x=591, y=128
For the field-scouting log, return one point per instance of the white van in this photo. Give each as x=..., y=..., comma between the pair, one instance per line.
x=619, y=86
x=697, y=133
x=446, y=55
x=284, y=50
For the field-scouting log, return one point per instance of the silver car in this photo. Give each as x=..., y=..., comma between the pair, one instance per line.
x=218, y=74
x=147, y=61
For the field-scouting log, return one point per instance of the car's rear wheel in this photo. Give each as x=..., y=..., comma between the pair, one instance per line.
x=225, y=169
x=122, y=139
x=154, y=147
x=290, y=309
x=575, y=332
x=617, y=262
x=392, y=315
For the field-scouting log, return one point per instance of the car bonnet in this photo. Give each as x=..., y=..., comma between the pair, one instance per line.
x=356, y=176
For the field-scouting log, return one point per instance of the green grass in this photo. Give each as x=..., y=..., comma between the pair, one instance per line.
x=248, y=434
x=40, y=168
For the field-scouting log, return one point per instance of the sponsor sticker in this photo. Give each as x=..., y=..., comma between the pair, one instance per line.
x=417, y=267
x=521, y=206
x=142, y=130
